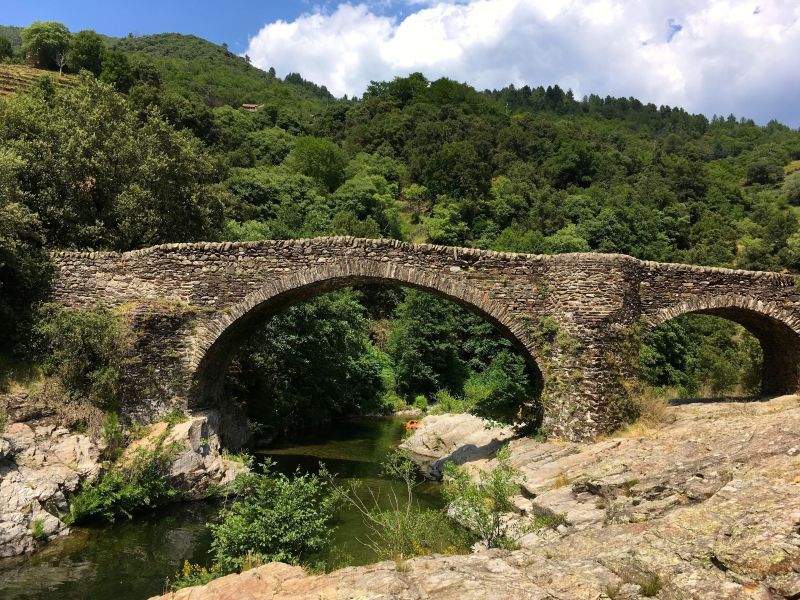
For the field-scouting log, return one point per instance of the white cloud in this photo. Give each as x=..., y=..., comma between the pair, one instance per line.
x=710, y=56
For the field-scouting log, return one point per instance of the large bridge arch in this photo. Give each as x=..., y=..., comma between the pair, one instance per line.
x=777, y=330
x=218, y=341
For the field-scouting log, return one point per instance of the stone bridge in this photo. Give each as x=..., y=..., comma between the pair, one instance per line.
x=577, y=317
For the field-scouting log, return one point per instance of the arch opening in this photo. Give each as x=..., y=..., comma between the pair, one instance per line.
x=722, y=347
x=231, y=332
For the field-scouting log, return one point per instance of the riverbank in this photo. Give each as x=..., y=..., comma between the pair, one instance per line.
x=43, y=464
x=706, y=506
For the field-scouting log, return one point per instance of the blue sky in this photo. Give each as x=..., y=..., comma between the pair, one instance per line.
x=709, y=56
x=231, y=21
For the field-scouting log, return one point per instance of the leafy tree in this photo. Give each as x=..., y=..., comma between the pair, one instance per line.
x=97, y=176
x=319, y=158
x=24, y=265
x=86, y=51
x=311, y=363
x=117, y=71
x=791, y=188
x=43, y=41
x=85, y=349
x=6, y=49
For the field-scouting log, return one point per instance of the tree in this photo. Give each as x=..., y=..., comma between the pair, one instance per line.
x=319, y=158
x=6, y=50
x=117, y=71
x=791, y=188
x=61, y=61
x=86, y=52
x=311, y=363
x=43, y=41
x=97, y=176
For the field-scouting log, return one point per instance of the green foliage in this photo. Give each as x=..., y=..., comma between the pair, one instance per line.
x=791, y=188
x=25, y=268
x=175, y=416
x=6, y=50
x=440, y=350
x=274, y=518
x=113, y=437
x=137, y=484
x=320, y=159
x=37, y=530
x=44, y=41
x=482, y=506
x=421, y=403
x=311, y=363
x=193, y=575
x=86, y=52
x=97, y=176
x=3, y=420
x=402, y=530
x=700, y=354
x=85, y=349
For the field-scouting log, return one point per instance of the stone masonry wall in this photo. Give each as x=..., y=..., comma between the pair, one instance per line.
x=572, y=313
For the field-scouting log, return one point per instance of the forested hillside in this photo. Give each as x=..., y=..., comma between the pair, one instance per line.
x=153, y=146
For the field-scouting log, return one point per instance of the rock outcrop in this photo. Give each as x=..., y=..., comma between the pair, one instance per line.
x=198, y=465
x=454, y=438
x=39, y=467
x=707, y=507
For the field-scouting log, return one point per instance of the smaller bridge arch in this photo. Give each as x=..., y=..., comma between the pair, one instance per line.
x=777, y=331
x=217, y=342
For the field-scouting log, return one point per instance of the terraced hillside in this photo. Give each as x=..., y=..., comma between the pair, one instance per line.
x=17, y=78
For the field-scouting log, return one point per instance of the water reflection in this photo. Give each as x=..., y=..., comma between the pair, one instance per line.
x=132, y=559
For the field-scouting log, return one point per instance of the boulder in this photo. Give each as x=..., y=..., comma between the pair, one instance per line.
x=458, y=438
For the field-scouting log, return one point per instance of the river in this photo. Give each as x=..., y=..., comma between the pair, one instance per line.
x=132, y=559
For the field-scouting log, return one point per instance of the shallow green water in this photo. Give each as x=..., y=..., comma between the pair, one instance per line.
x=131, y=560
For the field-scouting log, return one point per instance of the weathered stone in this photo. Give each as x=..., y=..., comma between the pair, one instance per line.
x=39, y=468
x=198, y=466
x=454, y=438
x=219, y=292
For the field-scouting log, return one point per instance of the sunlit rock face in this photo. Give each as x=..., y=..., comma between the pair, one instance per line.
x=706, y=507
x=40, y=467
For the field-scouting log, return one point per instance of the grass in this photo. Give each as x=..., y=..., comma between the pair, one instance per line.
x=16, y=375
x=19, y=78
x=792, y=167
x=37, y=530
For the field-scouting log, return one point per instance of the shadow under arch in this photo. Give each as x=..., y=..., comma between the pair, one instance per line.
x=777, y=331
x=219, y=340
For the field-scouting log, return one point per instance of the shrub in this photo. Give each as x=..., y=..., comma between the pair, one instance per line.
x=274, y=518
x=449, y=403
x=37, y=530
x=421, y=402
x=403, y=530
x=191, y=575
x=482, y=506
x=113, y=436
x=140, y=483
x=85, y=349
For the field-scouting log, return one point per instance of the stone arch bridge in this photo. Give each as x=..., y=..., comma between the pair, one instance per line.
x=576, y=316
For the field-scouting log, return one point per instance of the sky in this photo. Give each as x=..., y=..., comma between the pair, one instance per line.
x=709, y=56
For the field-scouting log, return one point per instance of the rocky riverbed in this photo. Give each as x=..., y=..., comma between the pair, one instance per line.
x=42, y=463
x=706, y=506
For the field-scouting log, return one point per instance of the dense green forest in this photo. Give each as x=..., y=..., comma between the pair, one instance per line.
x=152, y=146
